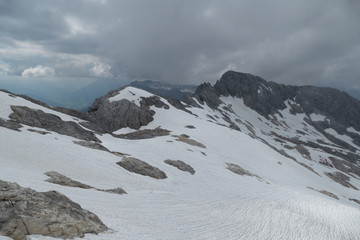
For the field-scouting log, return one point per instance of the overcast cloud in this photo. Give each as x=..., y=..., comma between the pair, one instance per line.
x=294, y=42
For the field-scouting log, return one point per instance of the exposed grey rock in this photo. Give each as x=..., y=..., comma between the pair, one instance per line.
x=341, y=179
x=205, y=93
x=351, y=157
x=153, y=101
x=267, y=98
x=71, y=112
x=112, y=116
x=25, y=211
x=345, y=166
x=241, y=171
x=92, y=145
x=303, y=151
x=177, y=104
x=50, y=122
x=115, y=190
x=238, y=170
x=38, y=131
x=140, y=167
x=10, y=124
x=144, y=134
x=243, y=85
x=180, y=165
x=327, y=193
x=355, y=200
x=191, y=102
x=186, y=139
x=92, y=126
x=60, y=179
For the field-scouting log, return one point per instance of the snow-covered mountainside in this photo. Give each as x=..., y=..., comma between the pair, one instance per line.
x=243, y=159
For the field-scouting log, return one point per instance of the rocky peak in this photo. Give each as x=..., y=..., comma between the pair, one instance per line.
x=113, y=115
x=260, y=95
x=267, y=98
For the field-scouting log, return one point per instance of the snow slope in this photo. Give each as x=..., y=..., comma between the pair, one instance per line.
x=215, y=203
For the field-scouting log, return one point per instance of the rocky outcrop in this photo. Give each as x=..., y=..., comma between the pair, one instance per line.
x=327, y=193
x=153, y=101
x=140, y=167
x=50, y=122
x=60, y=179
x=341, y=179
x=240, y=171
x=25, y=211
x=71, y=112
x=10, y=124
x=186, y=139
x=205, y=93
x=144, y=134
x=112, y=116
x=180, y=165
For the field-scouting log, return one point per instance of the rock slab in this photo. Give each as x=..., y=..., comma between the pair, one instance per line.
x=180, y=165
x=50, y=122
x=140, y=167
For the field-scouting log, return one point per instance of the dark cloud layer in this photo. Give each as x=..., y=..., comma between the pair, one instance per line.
x=294, y=42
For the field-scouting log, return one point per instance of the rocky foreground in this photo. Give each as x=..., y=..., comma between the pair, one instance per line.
x=25, y=211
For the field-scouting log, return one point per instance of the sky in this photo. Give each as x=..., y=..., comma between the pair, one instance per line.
x=75, y=42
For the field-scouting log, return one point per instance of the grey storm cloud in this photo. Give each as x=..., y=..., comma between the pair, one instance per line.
x=294, y=42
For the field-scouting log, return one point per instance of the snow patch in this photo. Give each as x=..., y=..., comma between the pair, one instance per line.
x=352, y=130
x=132, y=94
x=317, y=117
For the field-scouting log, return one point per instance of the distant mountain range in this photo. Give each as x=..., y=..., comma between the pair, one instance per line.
x=165, y=89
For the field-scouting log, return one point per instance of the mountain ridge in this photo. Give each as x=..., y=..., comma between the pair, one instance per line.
x=259, y=171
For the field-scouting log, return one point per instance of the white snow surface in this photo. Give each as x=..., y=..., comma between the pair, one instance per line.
x=132, y=94
x=214, y=203
x=317, y=117
x=352, y=130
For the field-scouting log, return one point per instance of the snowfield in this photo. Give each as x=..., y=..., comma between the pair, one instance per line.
x=215, y=203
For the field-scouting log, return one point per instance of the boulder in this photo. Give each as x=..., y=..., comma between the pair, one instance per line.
x=60, y=179
x=140, y=167
x=180, y=165
x=25, y=212
x=144, y=134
